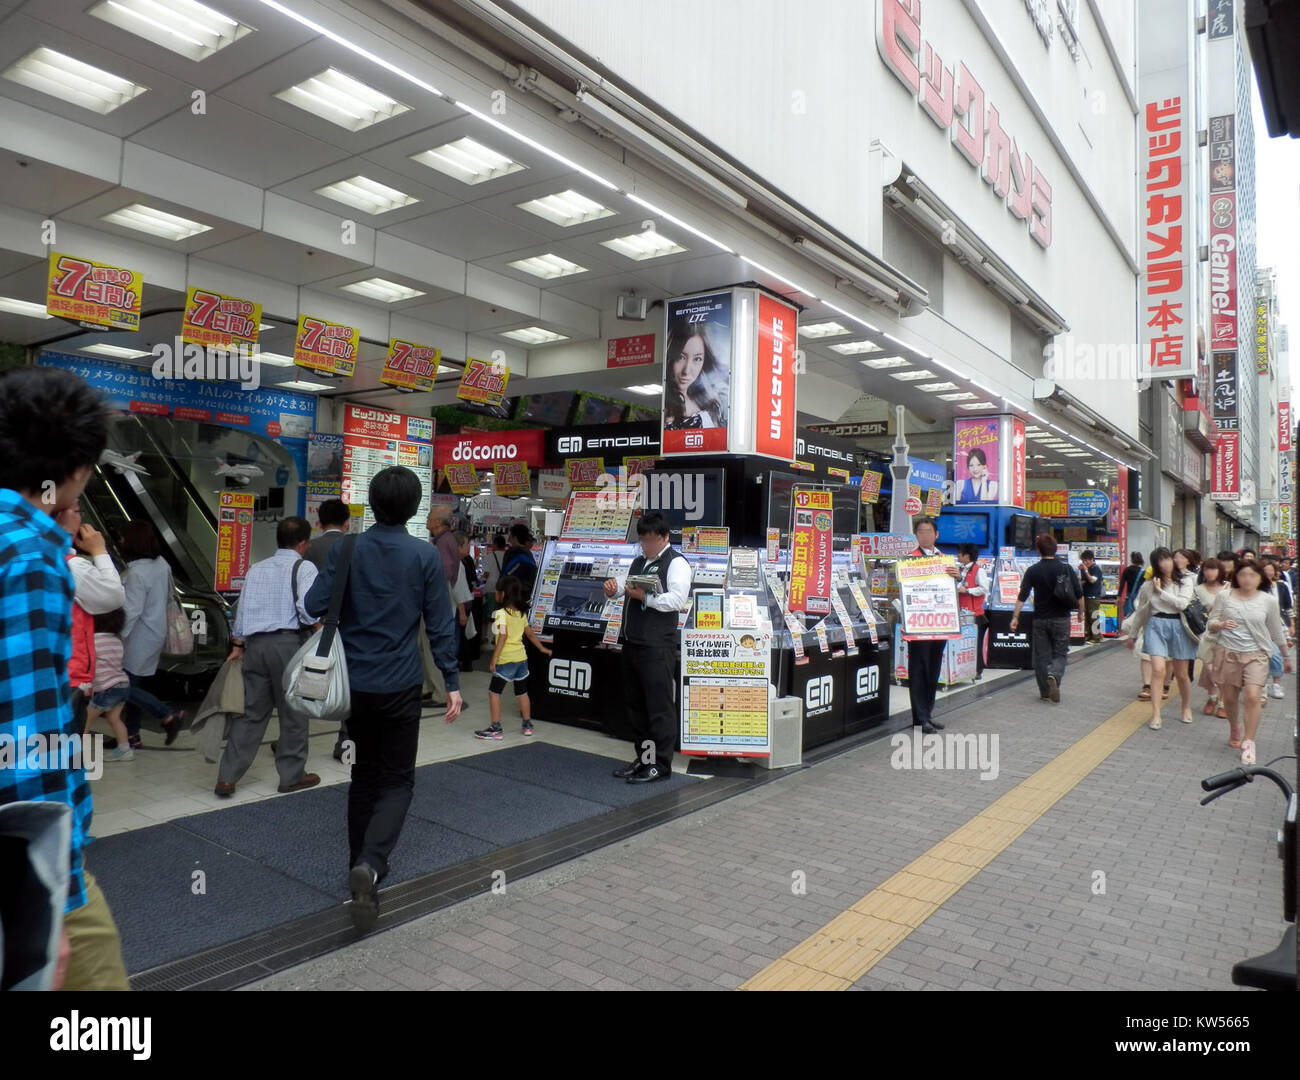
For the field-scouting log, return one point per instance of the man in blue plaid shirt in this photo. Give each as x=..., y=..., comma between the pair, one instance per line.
x=52, y=431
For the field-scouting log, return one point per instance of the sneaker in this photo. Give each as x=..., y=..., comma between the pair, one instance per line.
x=493, y=732
x=118, y=754
x=528, y=727
x=1053, y=688
x=1248, y=752
x=1276, y=691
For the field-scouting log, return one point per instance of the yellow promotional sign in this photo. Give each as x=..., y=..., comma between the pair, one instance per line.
x=93, y=293
x=483, y=383
x=326, y=347
x=211, y=318
x=584, y=473
x=410, y=366
x=871, y=486
x=512, y=479
x=462, y=479
x=637, y=465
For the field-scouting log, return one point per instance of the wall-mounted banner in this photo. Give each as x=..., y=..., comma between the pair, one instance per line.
x=510, y=478
x=697, y=373
x=234, y=539
x=975, y=459
x=483, y=382
x=1283, y=426
x=374, y=439
x=871, y=486
x=1049, y=502
x=1261, y=337
x=630, y=351
x=1013, y=435
x=1088, y=503
x=217, y=320
x=325, y=347
x=93, y=294
x=810, y=552
x=462, y=479
x=1223, y=395
x=409, y=366
x=774, y=378
x=1227, y=472
x=584, y=474
x=1223, y=232
x=481, y=447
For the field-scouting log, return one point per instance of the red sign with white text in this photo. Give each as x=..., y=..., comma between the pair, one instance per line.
x=630, y=351
x=1227, y=471
x=410, y=366
x=810, y=552
x=234, y=540
x=1223, y=271
x=778, y=326
x=1284, y=426
x=480, y=447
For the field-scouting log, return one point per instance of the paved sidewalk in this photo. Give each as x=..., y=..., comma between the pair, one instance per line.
x=1125, y=883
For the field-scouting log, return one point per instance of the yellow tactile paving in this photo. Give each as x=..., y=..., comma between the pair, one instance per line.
x=847, y=947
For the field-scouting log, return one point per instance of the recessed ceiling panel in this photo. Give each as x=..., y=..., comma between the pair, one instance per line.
x=467, y=233
x=43, y=188
x=284, y=260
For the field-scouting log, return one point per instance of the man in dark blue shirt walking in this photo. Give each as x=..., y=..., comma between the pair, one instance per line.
x=393, y=580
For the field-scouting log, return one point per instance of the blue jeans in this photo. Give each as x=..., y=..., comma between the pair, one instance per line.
x=1275, y=663
x=141, y=697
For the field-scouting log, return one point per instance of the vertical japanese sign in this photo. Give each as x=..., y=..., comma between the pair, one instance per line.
x=410, y=366
x=1165, y=294
x=1227, y=472
x=1223, y=234
x=326, y=347
x=810, y=552
x=1219, y=21
x=1016, y=438
x=975, y=460
x=1223, y=399
x=483, y=383
x=1283, y=427
x=1118, y=523
x=373, y=440
x=697, y=374
x=93, y=294
x=774, y=378
x=234, y=539
x=214, y=319
x=1261, y=337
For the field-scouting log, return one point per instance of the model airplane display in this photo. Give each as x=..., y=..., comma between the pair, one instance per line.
x=123, y=463
x=242, y=472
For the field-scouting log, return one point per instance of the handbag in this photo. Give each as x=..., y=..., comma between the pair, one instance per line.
x=180, y=634
x=1194, y=619
x=316, y=679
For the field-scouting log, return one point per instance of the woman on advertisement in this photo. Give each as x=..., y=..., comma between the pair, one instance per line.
x=696, y=389
x=979, y=486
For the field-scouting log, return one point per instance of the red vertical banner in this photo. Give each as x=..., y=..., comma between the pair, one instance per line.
x=1227, y=472
x=1283, y=426
x=774, y=378
x=810, y=552
x=1118, y=523
x=1017, y=461
x=234, y=539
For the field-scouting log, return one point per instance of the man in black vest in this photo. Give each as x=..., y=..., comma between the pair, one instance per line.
x=650, y=662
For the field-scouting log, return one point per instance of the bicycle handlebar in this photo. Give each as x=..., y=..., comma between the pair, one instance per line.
x=1233, y=776
x=1245, y=775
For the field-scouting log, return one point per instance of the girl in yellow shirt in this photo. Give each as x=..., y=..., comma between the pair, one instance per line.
x=509, y=660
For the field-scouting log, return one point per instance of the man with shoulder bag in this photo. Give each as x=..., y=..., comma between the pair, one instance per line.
x=271, y=623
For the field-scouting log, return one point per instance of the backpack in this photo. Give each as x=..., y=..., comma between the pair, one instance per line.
x=1065, y=589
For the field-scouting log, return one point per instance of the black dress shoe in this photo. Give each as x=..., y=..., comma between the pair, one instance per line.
x=648, y=774
x=627, y=770
x=363, y=884
x=927, y=729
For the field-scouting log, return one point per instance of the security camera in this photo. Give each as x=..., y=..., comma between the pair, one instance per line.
x=633, y=307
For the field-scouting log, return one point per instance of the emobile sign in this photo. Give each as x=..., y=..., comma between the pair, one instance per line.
x=485, y=447
x=774, y=424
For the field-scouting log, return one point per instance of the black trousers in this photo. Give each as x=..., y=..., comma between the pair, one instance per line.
x=650, y=693
x=924, y=662
x=982, y=629
x=385, y=729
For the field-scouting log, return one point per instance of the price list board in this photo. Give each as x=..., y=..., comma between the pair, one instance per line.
x=725, y=687
x=594, y=515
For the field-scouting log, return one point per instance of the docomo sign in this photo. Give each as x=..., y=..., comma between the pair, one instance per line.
x=488, y=446
x=955, y=102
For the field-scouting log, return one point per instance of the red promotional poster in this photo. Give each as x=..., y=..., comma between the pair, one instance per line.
x=630, y=351
x=975, y=460
x=1223, y=271
x=410, y=366
x=234, y=539
x=636, y=465
x=1017, y=461
x=697, y=374
x=489, y=447
x=1119, y=509
x=212, y=318
x=1048, y=503
x=325, y=347
x=1227, y=472
x=483, y=383
x=93, y=294
x=774, y=378
x=810, y=552
x=462, y=479
x=1283, y=426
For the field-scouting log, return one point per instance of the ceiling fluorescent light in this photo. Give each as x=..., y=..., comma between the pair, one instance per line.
x=547, y=266
x=24, y=307
x=468, y=161
x=155, y=222
x=783, y=280
x=70, y=80
x=855, y=348
x=342, y=100
x=366, y=195
x=849, y=315
x=183, y=26
x=821, y=330
x=678, y=222
x=936, y=387
x=978, y=405
x=646, y=388
x=882, y=362
x=642, y=246
x=911, y=376
x=117, y=352
x=964, y=395
x=534, y=335
x=303, y=384
x=275, y=359
x=566, y=209
x=389, y=292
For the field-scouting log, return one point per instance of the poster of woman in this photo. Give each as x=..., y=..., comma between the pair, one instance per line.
x=975, y=460
x=697, y=374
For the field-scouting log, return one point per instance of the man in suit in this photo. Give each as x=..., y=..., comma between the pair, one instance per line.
x=334, y=518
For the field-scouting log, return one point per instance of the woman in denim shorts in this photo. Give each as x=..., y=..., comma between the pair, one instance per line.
x=1158, y=614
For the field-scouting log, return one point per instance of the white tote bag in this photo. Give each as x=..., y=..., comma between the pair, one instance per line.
x=316, y=680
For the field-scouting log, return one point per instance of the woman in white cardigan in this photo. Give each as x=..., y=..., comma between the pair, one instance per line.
x=1159, y=616
x=1246, y=624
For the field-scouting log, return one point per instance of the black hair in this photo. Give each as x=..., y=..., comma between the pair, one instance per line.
x=139, y=541
x=1135, y=558
x=110, y=622
x=520, y=535
x=925, y=520
x=1160, y=553
x=51, y=425
x=655, y=524
x=969, y=549
x=499, y=541
x=1224, y=556
x=1046, y=545
x=976, y=452
x=512, y=594
x=291, y=532
x=334, y=512
x=1088, y=553
x=395, y=494
x=1250, y=564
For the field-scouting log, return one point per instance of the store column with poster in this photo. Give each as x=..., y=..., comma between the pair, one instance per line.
x=374, y=439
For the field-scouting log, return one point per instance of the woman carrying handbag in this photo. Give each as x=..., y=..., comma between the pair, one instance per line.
x=1166, y=641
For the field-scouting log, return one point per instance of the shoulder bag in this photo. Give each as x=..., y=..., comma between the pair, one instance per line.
x=316, y=679
x=180, y=635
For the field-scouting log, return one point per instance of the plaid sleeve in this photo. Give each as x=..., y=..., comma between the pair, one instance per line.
x=35, y=709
